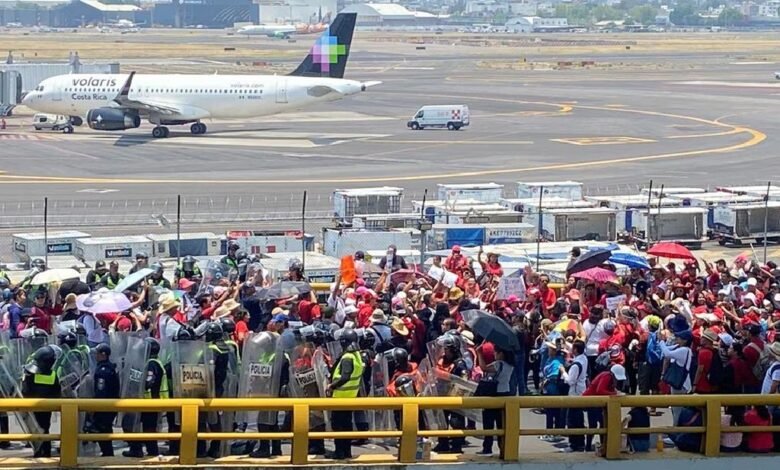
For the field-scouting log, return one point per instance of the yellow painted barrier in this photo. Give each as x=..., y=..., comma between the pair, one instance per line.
x=408, y=432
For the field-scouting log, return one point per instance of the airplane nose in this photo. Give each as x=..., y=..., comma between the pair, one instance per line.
x=26, y=99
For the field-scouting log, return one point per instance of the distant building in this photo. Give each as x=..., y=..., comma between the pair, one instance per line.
x=390, y=14
x=83, y=12
x=296, y=11
x=536, y=24
x=523, y=8
x=209, y=13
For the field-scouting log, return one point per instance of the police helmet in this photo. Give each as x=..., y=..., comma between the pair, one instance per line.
x=404, y=385
x=348, y=337
x=448, y=341
x=35, y=333
x=141, y=255
x=100, y=265
x=154, y=346
x=7, y=295
x=188, y=263
x=42, y=361
x=214, y=332
x=69, y=339
x=295, y=265
x=157, y=267
x=228, y=325
x=103, y=348
x=609, y=327
x=400, y=356
x=39, y=263
x=233, y=246
x=254, y=258
x=184, y=334
x=4, y=284
x=240, y=255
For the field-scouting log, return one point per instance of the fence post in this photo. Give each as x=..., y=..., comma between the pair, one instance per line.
x=300, y=442
x=69, y=439
x=511, y=447
x=188, y=446
x=407, y=451
x=614, y=423
x=712, y=428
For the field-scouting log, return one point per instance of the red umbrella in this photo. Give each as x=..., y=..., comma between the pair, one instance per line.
x=670, y=250
x=596, y=274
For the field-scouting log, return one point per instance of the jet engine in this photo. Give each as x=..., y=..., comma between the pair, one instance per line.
x=113, y=119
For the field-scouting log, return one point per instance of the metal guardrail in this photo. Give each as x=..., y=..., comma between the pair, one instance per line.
x=408, y=433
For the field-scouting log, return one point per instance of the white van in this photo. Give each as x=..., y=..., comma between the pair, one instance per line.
x=451, y=116
x=54, y=122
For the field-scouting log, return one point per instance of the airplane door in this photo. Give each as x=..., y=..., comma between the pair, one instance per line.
x=281, y=91
x=56, y=94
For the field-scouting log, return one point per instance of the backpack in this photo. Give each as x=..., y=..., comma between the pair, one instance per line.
x=654, y=354
x=717, y=372
x=763, y=363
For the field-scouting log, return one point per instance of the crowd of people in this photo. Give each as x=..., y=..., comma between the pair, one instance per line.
x=227, y=329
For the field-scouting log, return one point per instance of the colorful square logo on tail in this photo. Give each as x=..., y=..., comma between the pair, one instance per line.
x=327, y=51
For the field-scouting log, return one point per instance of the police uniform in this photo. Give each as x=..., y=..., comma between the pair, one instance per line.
x=162, y=282
x=346, y=383
x=43, y=384
x=94, y=277
x=221, y=354
x=111, y=281
x=230, y=261
x=180, y=273
x=458, y=368
x=156, y=386
x=106, y=383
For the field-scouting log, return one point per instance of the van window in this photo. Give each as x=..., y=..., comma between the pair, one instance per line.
x=42, y=119
x=420, y=114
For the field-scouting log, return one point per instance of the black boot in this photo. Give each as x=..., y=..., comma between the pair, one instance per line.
x=4, y=430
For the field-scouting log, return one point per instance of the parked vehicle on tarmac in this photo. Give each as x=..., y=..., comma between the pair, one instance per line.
x=53, y=122
x=451, y=116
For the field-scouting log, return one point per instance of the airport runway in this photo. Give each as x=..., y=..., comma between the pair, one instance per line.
x=676, y=123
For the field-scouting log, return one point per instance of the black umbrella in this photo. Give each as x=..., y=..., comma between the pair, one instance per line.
x=588, y=260
x=283, y=290
x=73, y=286
x=492, y=328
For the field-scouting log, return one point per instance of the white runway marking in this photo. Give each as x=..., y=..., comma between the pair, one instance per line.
x=730, y=84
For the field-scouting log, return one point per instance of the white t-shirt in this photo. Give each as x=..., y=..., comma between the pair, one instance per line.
x=772, y=375
x=594, y=334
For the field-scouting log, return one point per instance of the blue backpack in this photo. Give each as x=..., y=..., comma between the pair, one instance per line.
x=654, y=355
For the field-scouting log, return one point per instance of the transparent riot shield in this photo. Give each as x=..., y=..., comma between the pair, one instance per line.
x=334, y=350
x=303, y=378
x=213, y=275
x=380, y=378
x=227, y=389
x=191, y=369
x=133, y=379
x=261, y=370
x=119, y=342
x=435, y=419
x=70, y=370
x=10, y=388
x=25, y=347
x=322, y=375
x=448, y=385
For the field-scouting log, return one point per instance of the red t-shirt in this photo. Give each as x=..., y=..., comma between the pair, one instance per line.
x=743, y=373
x=180, y=317
x=308, y=311
x=43, y=316
x=758, y=441
x=704, y=365
x=752, y=351
x=207, y=312
x=364, y=315
x=241, y=330
x=549, y=298
x=603, y=384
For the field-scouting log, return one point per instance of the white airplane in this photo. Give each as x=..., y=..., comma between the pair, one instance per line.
x=283, y=31
x=125, y=24
x=113, y=102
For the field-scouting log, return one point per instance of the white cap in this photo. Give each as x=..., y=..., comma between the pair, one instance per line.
x=618, y=371
x=726, y=339
x=777, y=298
x=350, y=309
x=725, y=292
x=752, y=282
x=750, y=296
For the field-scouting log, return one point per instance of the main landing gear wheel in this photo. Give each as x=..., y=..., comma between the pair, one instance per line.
x=198, y=128
x=160, y=132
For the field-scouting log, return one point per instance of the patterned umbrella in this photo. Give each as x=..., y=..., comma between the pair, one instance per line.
x=596, y=275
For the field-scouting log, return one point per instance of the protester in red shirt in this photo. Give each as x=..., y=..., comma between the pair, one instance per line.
x=606, y=382
x=41, y=313
x=492, y=267
x=456, y=263
x=308, y=308
x=365, y=310
x=701, y=383
x=758, y=442
x=548, y=295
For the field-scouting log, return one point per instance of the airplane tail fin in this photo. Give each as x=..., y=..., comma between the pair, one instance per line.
x=328, y=56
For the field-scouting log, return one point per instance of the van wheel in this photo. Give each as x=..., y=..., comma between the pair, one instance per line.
x=415, y=126
x=457, y=128
x=451, y=126
x=37, y=128
x=68, y=130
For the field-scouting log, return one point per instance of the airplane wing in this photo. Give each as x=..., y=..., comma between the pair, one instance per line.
x=151, y=105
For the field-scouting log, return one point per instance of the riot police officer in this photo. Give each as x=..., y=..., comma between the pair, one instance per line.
x=221, y=357
x=345, y=383
x=187, y=269
x=156, y=386
x=70, y=340
x=156, y=279
x=230, y=259
x=228, y=328
x=95, y=275
x=141, y=262
x=40, y=381
x=112, y=278
x=106, y=385
x=295, y=270
x=37, y=266
x=452, y=362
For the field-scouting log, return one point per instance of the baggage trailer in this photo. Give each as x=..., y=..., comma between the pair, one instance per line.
x=683, y=225
x=594, y=223
x=738, y=223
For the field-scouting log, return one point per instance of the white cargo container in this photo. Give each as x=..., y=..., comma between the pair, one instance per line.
x=566, y=189
x=109, y=248
x=629, y=205
x=684, y=225
x=596, y=223
x=673, y=190
x=318, y=267
x=31, y=245
x=270, y=241
x=485, y=192
x=340, y=242
x=381, y=200
x=479, y=216
x=194, y=244
x=758, y=189
x=386, y=221
x=737, y=223
x=531, y=205
x=712, y=200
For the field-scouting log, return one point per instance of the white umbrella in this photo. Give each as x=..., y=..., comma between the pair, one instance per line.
x=54, y=275
x=103, y=301
x=132, y=279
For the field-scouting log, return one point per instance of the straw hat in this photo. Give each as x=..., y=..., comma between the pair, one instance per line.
x=167, y=303
x=231, y=305
x=378, y=316
x=399, y=327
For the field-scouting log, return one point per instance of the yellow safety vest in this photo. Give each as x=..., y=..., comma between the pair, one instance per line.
x=164, y=392
x=45, y=379
x=230, y=342
x=352, y=387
